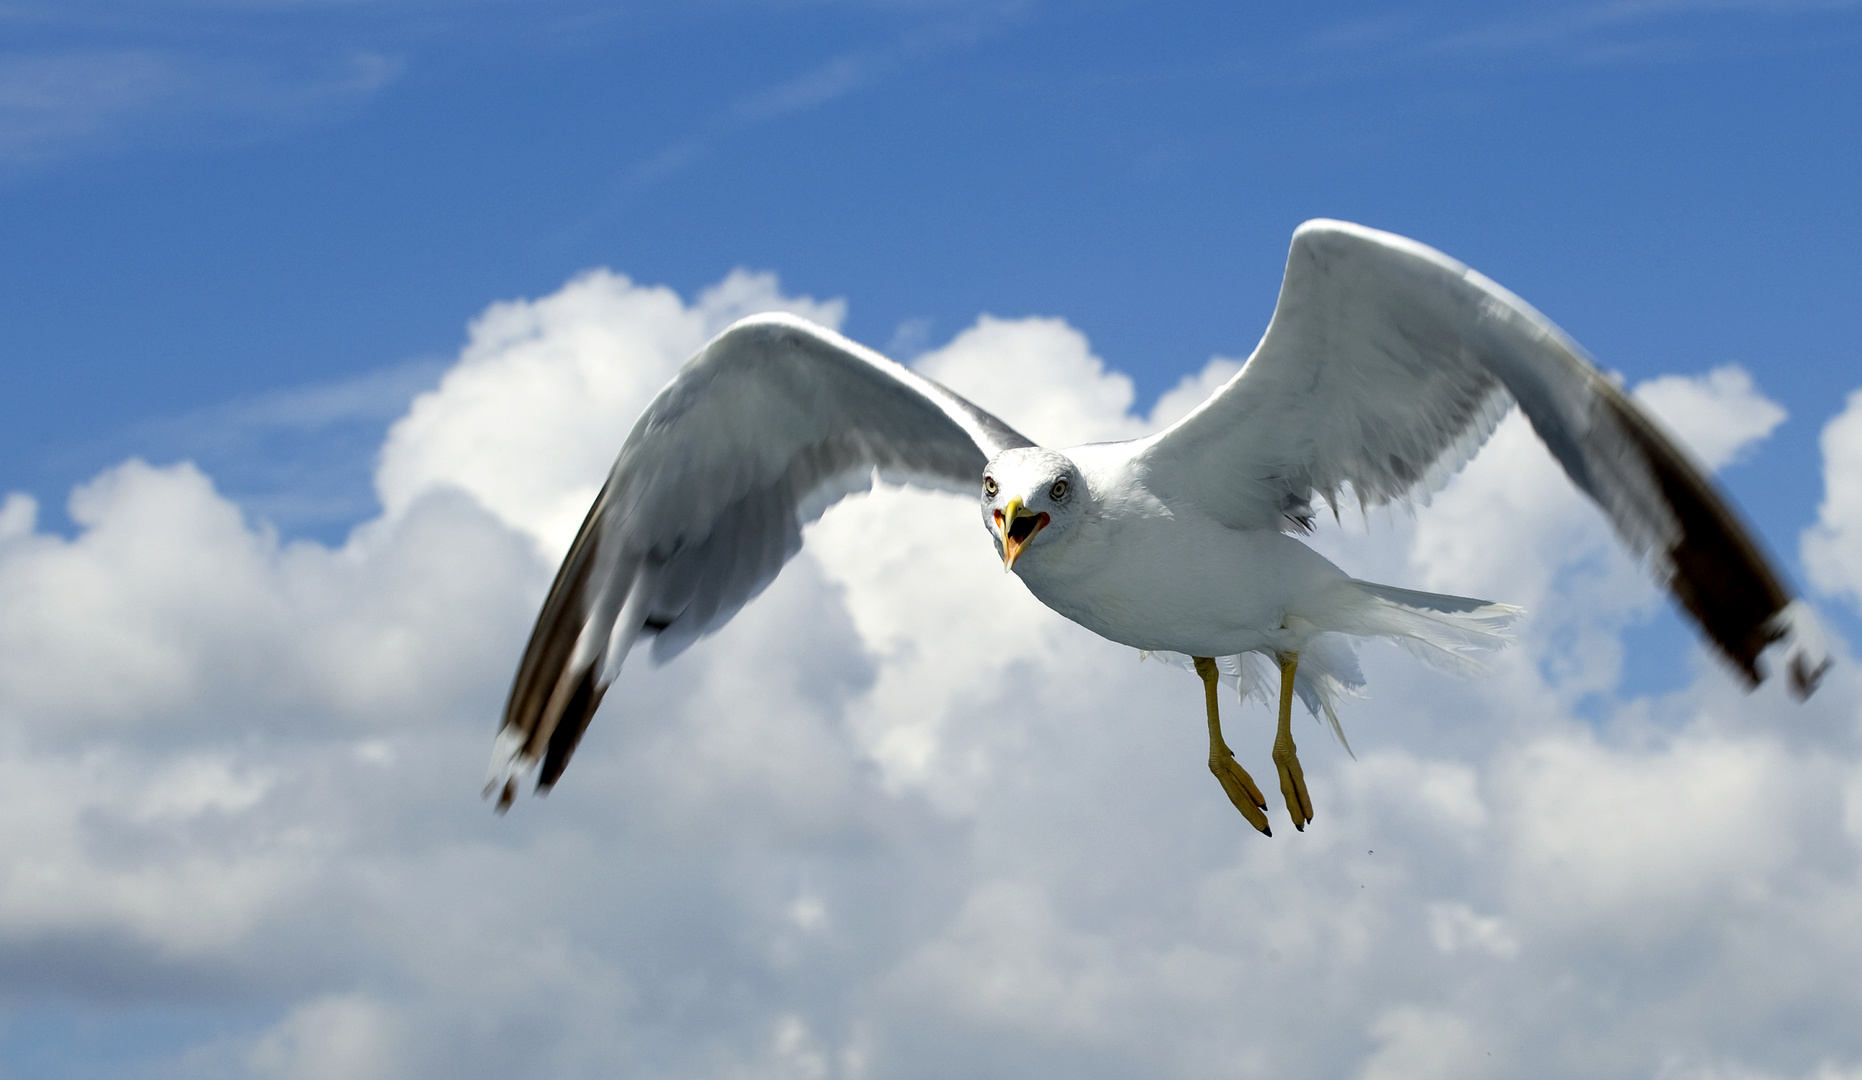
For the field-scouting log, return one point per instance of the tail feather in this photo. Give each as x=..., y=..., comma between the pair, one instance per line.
x=1444, y=631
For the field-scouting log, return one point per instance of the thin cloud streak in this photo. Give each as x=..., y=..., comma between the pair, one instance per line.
x=1565, y=26
x=1623, y=32
x=301, y=459
x=54, y=106
x=821, y=85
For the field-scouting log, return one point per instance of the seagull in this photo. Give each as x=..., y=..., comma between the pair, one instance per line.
x=1384, y=369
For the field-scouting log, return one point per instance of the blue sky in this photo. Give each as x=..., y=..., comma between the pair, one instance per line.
x=247, y=234
x=207, y=202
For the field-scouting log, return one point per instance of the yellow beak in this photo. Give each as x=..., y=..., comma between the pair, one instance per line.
x=1017, y=527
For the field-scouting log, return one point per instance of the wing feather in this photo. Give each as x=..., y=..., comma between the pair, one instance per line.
x=772, y=422
x=1388, y=364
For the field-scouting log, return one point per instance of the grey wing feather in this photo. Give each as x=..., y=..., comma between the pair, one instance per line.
x=1386, y=367
x=772, y=422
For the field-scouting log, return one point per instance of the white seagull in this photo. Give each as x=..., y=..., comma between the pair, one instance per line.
x=1386, y=366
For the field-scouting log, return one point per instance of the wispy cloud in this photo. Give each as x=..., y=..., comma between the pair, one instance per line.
x=90, y=77
x=54, y=104
x=1617, y=32
x=48, y=101
x=1564, y=26
x=824, y=83
x=300, y=458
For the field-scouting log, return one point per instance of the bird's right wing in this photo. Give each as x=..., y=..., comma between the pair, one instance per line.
x=772, y=422
x=1388, y=364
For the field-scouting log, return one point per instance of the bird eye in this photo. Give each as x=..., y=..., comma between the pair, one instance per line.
x=989, y=486
x=1058, y=491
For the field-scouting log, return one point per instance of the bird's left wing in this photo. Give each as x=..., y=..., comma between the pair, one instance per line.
x=772, y=422
x=1388, y=364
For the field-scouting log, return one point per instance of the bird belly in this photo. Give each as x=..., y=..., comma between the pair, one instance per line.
x=1204, y=591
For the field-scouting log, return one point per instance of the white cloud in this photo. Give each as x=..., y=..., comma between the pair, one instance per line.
x=1175, y=403
x=1719, y=415
x=344, y=1037
x=1042, y=374
x=529, y=419
x=1833, y=548
x=19, y=513
x=1684, y=1069
x=1639, y=843
x=108, y=844
x=1415, y=1042
x=1455, y=927
x=167, y=600
x=896, y=819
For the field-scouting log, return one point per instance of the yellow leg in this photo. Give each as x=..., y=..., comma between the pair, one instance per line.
x=1286, y=755
x=1235, y=779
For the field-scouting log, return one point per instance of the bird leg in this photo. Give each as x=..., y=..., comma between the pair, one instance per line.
x=1235, y=779
x=1286, y=755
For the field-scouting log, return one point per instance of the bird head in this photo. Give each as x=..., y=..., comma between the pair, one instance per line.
x=1027, y=493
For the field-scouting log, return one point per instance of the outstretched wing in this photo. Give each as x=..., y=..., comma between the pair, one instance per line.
x=771, y=423
x=1388, y=364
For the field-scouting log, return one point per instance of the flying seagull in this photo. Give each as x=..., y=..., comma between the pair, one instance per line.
x=1387, y=364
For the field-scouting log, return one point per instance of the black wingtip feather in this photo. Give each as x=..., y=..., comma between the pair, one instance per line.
x=1719, y=574
x=569, y=728
x=1805, y=678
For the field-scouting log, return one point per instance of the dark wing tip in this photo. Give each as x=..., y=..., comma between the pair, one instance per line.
x=1807, y=657
x=568, y=729
x=1717, y=570
x=1804, y=677
x=515, y=750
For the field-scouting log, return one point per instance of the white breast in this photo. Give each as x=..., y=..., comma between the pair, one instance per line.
x=1169, y=578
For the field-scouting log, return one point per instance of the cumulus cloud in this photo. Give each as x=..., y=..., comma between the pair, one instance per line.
x=497, y=427
x=169, y=601
x=896, y=819
x=1719, y=415
x=1833, y=547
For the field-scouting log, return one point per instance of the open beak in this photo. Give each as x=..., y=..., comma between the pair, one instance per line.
x=1017, y=527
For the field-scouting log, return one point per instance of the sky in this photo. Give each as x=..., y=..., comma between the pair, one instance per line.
x=321, y=318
